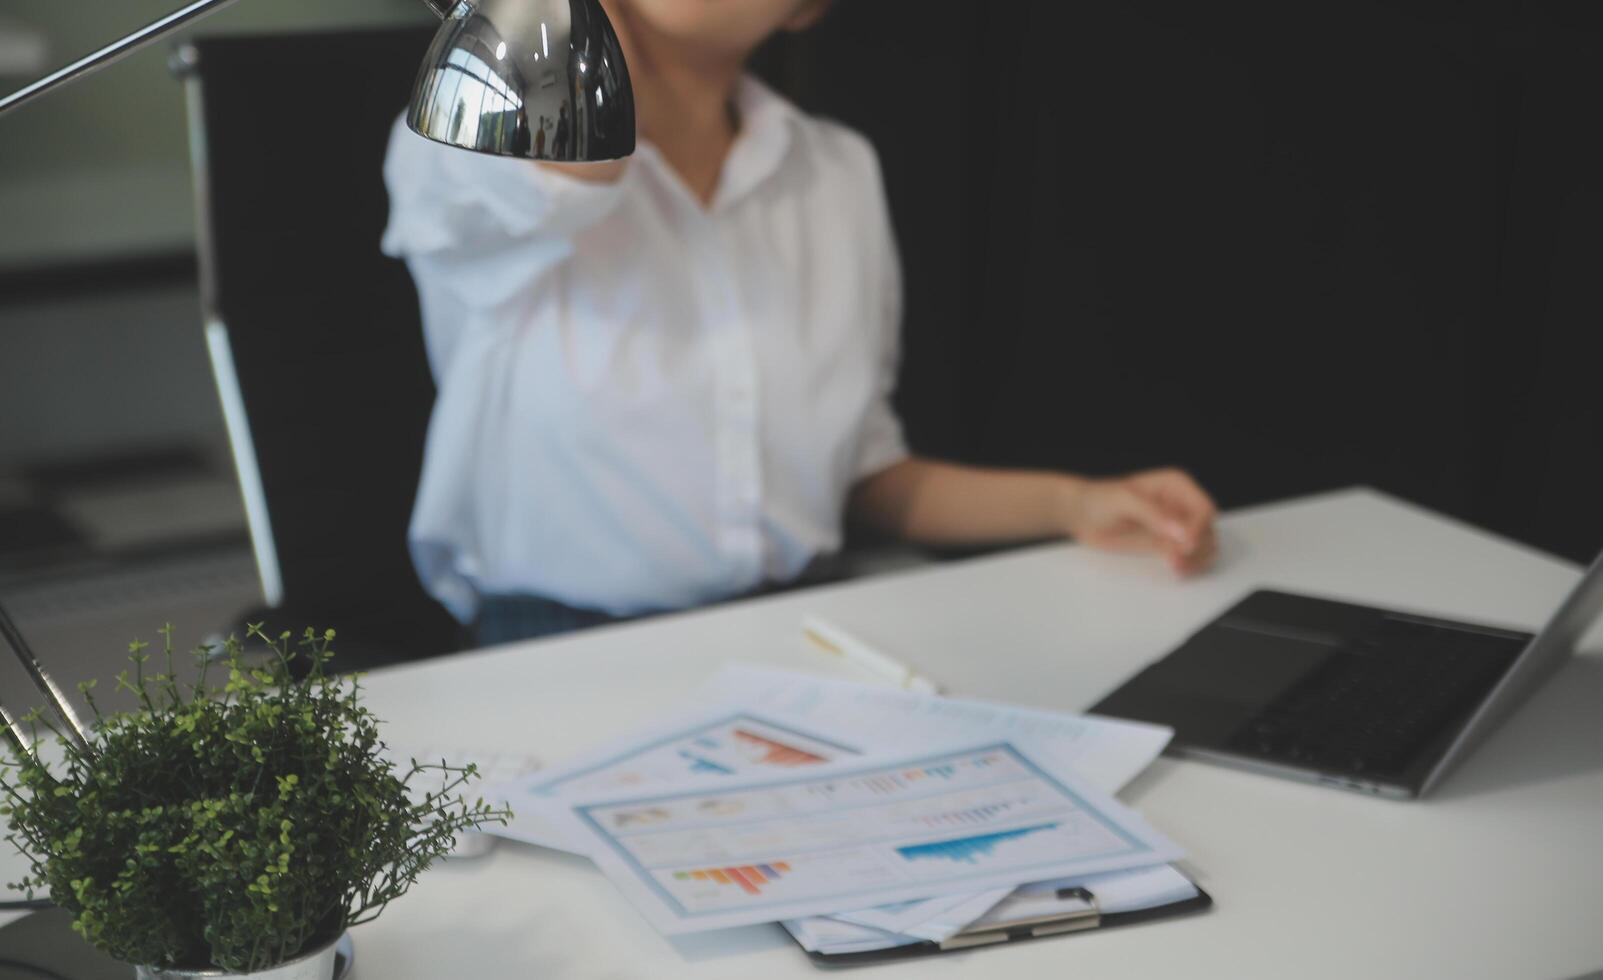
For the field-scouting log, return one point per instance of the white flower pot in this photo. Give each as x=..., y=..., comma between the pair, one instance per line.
x=314, y=964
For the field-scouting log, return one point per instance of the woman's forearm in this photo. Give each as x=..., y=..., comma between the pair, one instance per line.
x=935, y=503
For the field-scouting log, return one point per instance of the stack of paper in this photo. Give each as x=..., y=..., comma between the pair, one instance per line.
x=862, y=818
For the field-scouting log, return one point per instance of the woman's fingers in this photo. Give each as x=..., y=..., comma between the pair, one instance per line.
x=1179, y=515
x=1160, y=511
x=1176, y=491
x=1128, y=521
x=1200, y=558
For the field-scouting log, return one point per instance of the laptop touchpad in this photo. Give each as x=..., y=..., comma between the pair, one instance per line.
x=1218, y=680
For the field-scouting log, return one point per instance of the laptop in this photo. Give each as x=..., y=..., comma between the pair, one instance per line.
x=1352, y=696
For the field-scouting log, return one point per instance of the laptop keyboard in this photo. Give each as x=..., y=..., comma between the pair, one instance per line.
x=1371, y=706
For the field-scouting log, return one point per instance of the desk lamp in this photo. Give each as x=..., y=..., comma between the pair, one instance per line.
x=493, y=66
x=72, y=725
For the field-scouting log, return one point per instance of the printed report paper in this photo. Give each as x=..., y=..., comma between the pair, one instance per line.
x=1107, y=752
x=705, y=747
x=989, y=815
x=754, y=720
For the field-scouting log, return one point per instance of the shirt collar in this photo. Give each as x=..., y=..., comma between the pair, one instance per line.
x=760, y=147
x=764, y=140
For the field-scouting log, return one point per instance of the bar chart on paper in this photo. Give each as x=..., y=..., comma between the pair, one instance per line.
x=749, y=877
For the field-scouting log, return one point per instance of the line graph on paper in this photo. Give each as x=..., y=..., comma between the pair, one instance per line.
x=968, y=850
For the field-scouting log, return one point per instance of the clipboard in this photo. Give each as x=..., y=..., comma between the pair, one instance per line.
x=1088, y=919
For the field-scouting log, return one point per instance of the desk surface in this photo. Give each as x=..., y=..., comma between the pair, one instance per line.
x=1498, y=875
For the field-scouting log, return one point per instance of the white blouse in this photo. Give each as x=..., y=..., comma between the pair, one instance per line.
x=645, y=403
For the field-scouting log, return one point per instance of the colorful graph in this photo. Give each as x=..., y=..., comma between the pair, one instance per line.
x=776, y=753
x=750, y=877
x=730, y=750
x=967, y=850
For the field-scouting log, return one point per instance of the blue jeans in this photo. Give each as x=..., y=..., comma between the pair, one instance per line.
x=506, y=618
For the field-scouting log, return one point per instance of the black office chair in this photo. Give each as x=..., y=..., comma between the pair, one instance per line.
x=314, y=334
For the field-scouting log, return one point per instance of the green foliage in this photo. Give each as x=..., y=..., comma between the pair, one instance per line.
x=231, y=827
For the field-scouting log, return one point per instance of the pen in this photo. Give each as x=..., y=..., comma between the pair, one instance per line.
x=832, y=639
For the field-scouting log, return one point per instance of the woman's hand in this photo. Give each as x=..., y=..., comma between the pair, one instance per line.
x=945, y=504
x=1162, y=511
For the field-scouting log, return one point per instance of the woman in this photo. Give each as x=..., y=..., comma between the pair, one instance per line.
x=666, y=380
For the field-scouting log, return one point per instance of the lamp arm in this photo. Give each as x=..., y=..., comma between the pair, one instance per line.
x=20, y=750
x=112, y=52
x=74, y=726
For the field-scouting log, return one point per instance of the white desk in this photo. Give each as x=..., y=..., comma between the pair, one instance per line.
x=1500, y=875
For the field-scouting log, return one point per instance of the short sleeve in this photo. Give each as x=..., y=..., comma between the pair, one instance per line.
x=479, y=231
x=443, y=198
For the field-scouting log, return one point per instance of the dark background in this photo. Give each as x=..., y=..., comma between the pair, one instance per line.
x=1287, y=246
x=1290, y=247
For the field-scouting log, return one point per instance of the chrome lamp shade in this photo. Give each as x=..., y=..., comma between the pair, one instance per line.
x=541, y=79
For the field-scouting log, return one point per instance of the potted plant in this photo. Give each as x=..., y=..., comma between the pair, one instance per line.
x=236, y=830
